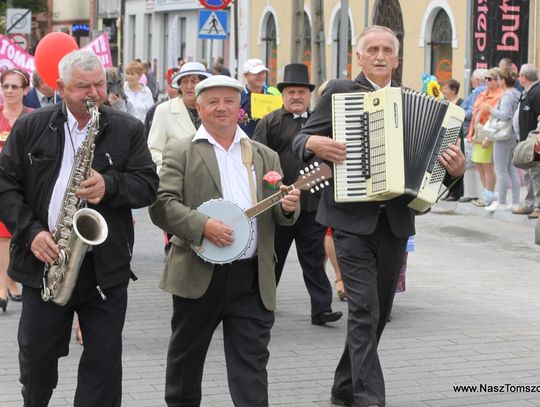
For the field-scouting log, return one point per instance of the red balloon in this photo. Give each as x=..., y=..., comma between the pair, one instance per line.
x=49, y=51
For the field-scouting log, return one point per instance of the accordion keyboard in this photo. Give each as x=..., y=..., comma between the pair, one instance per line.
x=369, y=123
x=350, y=126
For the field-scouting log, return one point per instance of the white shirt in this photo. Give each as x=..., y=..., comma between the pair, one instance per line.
x=72, y=134
x=141, y=101
x=233, y=177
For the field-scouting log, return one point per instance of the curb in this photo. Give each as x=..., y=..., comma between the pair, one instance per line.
x=471, y=210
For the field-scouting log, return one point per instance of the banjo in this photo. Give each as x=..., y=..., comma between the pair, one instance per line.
x=312, y=178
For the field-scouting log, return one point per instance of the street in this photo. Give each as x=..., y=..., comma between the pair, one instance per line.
x=469, y=317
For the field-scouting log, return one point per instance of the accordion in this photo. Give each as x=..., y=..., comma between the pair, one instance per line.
x=393, y=138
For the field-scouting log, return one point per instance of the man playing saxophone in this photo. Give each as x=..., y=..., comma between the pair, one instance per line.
x=36, y=170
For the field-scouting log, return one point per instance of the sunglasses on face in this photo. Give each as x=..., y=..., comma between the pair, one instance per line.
x=489, y=79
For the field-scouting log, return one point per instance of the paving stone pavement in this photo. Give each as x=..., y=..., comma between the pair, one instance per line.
x=469, y=317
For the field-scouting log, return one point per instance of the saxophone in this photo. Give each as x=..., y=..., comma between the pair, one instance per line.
x=77, y=227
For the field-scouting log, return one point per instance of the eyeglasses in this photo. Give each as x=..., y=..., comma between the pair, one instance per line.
x=489, y=78
x=7, y=86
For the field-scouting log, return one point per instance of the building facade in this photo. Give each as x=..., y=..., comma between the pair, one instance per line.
x=434, y=34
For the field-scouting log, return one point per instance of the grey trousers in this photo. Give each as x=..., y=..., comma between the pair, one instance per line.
x=532, y=178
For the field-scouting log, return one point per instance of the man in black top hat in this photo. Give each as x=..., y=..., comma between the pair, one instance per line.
x=277, y=130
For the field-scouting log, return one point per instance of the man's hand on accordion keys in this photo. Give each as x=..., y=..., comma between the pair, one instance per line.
x=453, y=159
x=327, y=149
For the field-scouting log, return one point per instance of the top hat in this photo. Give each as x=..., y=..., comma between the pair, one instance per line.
x=295, y=75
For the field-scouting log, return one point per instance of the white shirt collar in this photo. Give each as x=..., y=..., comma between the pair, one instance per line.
x=377, y=87
x=73, y=124
x=202, y=134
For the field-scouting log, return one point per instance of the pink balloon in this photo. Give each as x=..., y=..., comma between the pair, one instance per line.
x=49, y=51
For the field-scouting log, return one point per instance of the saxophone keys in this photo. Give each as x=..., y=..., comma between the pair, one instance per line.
x=64, y=234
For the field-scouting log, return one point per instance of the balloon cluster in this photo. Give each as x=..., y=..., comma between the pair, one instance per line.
x=49, y=51
x=430, y=85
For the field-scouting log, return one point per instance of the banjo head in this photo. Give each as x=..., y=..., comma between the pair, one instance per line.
x=232, y=215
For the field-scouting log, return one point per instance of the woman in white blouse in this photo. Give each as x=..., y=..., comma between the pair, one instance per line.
x=177, y=117
x=138, y=94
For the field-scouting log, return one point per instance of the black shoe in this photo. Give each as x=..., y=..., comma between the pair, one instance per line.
x=451, y=198
x=15, y=297
x=3, y=304
x=327, y=316
x=341, y=399
x=466, y=199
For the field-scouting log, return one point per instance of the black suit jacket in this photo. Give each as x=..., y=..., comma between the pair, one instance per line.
x=277, y=131
x=358, y=217
x=529, y=110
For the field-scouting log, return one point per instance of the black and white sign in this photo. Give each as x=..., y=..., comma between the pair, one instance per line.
x=19, y=21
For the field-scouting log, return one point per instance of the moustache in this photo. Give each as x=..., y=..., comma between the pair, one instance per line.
x=380, y=63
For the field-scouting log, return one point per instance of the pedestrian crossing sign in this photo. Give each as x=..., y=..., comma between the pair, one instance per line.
x=213, y=24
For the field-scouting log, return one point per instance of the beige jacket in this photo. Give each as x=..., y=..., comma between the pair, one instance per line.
x=189, y=177
x=171, y=120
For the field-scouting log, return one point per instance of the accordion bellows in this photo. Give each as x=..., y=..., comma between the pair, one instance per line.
x=393, y=138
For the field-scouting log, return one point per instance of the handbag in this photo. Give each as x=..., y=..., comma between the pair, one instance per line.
x=498, y=130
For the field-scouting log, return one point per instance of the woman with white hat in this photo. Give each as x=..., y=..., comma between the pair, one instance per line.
x=177, y=117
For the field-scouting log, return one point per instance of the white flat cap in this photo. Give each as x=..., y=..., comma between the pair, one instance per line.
x=218, y=81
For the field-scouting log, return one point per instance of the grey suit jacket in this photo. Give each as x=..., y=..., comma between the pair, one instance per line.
x=189, y=177
x=358, y=218
x=523, y=157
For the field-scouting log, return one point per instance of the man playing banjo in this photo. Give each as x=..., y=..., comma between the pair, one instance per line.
x=240, y=293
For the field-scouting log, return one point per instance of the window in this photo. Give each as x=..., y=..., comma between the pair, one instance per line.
x=336, y=46
x=441, y=47
x=270, y=52
x=307, y=44
x=148, y=29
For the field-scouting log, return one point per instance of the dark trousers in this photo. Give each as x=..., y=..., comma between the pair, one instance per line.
x=308, y=236
x=44, y=336
x=232, y=298
x=369, y=268
x=457, y=187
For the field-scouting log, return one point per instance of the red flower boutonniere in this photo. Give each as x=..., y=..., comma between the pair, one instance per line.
x=243, y=117
x=271, y=179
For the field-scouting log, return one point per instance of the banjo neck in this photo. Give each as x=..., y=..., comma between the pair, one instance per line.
x=267, y=203
x=313, y=178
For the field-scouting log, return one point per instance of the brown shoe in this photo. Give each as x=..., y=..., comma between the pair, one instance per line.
x=534, y=214
x=522, y=211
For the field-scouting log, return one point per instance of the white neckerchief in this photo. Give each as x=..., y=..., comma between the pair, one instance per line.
x=298, y=116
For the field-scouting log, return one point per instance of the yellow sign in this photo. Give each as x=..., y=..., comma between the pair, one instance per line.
x=262, y=104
